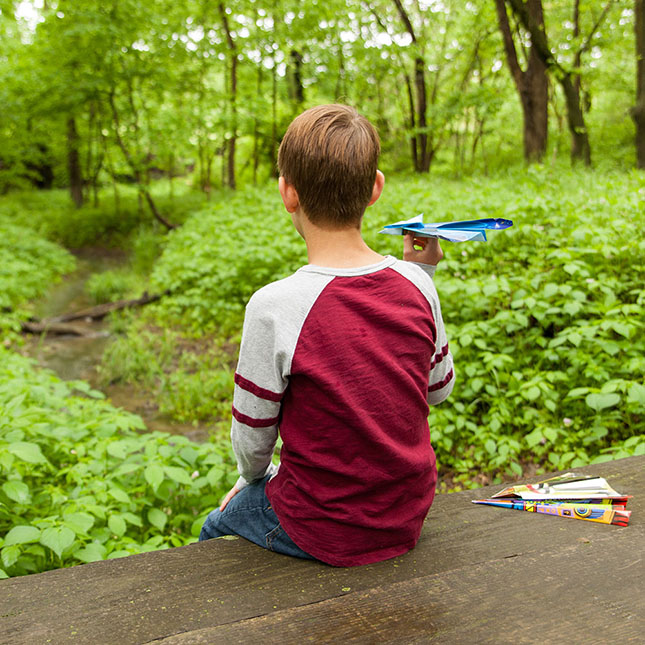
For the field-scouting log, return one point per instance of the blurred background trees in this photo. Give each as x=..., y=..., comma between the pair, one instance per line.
x=97, y=92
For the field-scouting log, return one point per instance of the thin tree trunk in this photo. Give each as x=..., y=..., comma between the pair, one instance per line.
x=638, y=111
x=256, y=128
x=297, y=88
x=580, y=148
x=233, y=99
x=74, y=163
x=410, y=95
x=532, y=86
x=423, y=158
x=136, y=169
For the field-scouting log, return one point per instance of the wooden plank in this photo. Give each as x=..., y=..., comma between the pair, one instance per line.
x=553, y=597
x=156, y=595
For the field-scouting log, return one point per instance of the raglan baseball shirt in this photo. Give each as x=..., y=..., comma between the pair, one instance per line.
x=343, y=363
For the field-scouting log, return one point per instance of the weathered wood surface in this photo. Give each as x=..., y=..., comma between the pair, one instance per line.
x=478, y=575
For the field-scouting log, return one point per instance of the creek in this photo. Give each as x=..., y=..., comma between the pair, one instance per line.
x=74, y=357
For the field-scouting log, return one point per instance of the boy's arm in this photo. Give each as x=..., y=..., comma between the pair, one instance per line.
x=442, y=373
x=259, y=387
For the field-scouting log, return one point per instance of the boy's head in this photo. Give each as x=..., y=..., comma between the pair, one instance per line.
x=329, y=154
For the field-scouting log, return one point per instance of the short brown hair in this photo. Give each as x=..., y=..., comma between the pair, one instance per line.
x=329, y=154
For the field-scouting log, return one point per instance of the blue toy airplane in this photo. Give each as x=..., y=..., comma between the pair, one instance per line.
x=474, y=230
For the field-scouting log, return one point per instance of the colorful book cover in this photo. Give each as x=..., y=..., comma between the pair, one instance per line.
x=570, y=495
x=603, y=513
x=567, y=486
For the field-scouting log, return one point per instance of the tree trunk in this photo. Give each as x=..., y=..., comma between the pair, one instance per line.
x=297, y=88
x=74, y=164
x=638, y=111
x=532, y=85
x=580, y=148
x=422, y=108
x=423, y=157
x=136, y=168
x=232, y=140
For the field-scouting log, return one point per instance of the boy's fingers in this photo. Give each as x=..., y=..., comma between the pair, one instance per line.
x=229, y=496
x=408, y=242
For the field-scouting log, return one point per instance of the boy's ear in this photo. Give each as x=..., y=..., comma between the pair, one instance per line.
x=289, y=195
x=379, y=182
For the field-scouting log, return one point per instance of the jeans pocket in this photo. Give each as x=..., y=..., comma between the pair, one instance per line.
x=272, y=536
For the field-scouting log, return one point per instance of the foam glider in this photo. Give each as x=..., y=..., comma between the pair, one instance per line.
x=467, y=230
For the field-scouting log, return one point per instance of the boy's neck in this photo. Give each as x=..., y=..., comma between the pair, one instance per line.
x=338, y=249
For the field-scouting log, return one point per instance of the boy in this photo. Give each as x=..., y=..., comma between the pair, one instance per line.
x=343, y=358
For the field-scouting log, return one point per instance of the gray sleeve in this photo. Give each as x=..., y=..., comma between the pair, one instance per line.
x=272, y=323
x=259, y=387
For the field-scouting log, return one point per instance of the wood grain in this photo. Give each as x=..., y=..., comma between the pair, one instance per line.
x=470, y=574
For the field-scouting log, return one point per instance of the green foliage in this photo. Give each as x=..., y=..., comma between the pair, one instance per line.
x=197, y=392
x=191, y=380
x=109, y=286
x=546, y=320
x=214, y=263
x=28, y=265
x=110, y=223
x=140, y=358
x=81, y=483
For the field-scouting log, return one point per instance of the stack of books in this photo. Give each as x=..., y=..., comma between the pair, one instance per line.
x=570, y=495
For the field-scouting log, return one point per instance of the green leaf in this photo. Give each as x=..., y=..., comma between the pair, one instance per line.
x=131, y=518
x=119, y=495
x=598, y=401
x=10, y=555
x=154, y=475
x=178, y=474
x=122, y=553
x=3, y=574
x=118, y=449
x=157, y=518
x=79, y=522
x=91, y=553
x=22, y=535
x=214, y=475
x=117, y=525
x=58, y=538
x=29, y=452
x=532, y=393
x=17, y=491
x=636, y=394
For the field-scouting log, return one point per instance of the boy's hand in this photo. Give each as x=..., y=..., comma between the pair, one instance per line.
x=229, y=496
x=430, y=252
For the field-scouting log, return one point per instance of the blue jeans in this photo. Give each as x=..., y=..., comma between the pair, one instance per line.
x=249, y=515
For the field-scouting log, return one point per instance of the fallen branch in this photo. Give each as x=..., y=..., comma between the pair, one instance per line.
x=100, y=311
x=55, y=328
x=60, y=324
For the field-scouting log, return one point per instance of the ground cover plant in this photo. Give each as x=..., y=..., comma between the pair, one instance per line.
x=29, y=264
x=545, y=320
x=82, y=482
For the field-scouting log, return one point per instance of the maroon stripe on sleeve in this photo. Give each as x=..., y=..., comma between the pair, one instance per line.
x=254, y=423
x=439, y=356
x=258, y=391
x=442, y=383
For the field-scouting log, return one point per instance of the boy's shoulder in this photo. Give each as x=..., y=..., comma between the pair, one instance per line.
x=284, y=294
x=302, y=288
